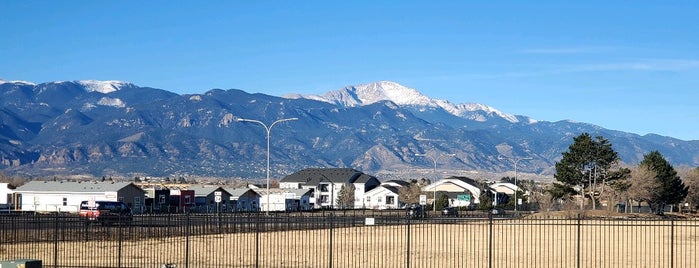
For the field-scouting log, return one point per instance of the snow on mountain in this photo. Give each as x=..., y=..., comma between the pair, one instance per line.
x=114, y=102
x=17, y=82
x=105, y=86
x=391, y=91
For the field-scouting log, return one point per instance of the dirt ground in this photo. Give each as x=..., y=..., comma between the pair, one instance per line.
x=514, y=243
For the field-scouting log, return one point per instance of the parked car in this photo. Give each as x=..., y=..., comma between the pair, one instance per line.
x=498, y=211
x=105, y=212
x=450, y=211
x=415, y=211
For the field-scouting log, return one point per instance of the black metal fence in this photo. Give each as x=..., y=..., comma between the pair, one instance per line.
x=349, y=239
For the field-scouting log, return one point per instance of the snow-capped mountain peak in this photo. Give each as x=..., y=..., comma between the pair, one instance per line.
x=387, y=90
x=366, y=94
x=105, y=86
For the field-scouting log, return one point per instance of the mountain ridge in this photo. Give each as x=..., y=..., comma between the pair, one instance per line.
x=59, y=129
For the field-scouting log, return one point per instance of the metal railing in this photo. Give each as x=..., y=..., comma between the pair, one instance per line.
x=348, y=239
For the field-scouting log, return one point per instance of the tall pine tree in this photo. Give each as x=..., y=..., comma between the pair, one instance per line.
x=590, y=164
x=671, y=189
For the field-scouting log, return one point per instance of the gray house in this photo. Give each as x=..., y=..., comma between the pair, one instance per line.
x=59, y=196
x=327, y=183
x=206, y=197
x=243, y=199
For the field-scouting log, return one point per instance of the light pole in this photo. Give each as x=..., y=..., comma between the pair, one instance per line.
x=435, y=157
x=269, y=129
x=515, y=160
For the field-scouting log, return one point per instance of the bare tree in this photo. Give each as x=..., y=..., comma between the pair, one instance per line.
x=345, y=198
x=690, y=177
x=410, y=194
x=642, y=186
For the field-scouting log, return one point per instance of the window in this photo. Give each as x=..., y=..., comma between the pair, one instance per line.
x=121, y=199
x=65, y=201
x=137, y=200
x=187, y=199
x=380, y=200
x=323, y=187
x=162, y=199
x=390, y=200
x=368, y=199
x=323, y=199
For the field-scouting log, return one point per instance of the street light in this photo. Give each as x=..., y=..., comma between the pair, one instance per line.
x=515, y=160
x=434, y=159
x=269, y=129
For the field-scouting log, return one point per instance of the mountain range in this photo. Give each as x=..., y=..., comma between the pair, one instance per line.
x=114, y=128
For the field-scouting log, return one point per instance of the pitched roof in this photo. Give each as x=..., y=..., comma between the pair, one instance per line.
x=73, y=187
x=237, y=192
x=391, y=188
x=402, y=183
x=363, y=178
x=205, y=190
x=466, y=180
x=313, y=176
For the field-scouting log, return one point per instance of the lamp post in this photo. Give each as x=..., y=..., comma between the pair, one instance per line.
x=515, y=160
x=269, y=129
x=435, y=157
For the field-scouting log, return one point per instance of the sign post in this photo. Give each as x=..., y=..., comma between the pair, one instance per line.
x=423, y=199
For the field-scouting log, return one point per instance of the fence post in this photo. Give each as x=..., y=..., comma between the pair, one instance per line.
x=490, y=239
x=578, y=245
x=330, y=247
x=187, y=233
x=120, y=238
x=257, y=241
x=55, y=242
x=407, y=255
x=672, y=243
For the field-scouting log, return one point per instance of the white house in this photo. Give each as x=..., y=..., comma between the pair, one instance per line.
x=59, y=196
x=285, y=199
x=382, y=197
x=504, y=188
x=327, y=183
x=465, y=190
x=5, y=196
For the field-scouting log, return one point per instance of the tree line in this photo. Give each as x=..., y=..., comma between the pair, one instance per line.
x=591, y=171
x=589, y=174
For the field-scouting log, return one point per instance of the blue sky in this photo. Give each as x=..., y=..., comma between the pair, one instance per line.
x=623, y=65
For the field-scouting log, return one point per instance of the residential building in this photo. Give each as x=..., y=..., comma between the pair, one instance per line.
x=243, y=199
x=504, y=188
x=157, y=199
x=181, y=200
x=60, y=196
x=384, y=196
x=461, y=191
x=5, y=196
x=285, y=199
x=327, y=183
x=210, y=198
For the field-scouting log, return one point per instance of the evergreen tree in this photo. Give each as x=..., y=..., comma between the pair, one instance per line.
x=486, y=201
x=671, y=189
x=589, y=164
x=442, y=202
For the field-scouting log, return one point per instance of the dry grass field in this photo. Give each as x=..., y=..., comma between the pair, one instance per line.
x=455, y=243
